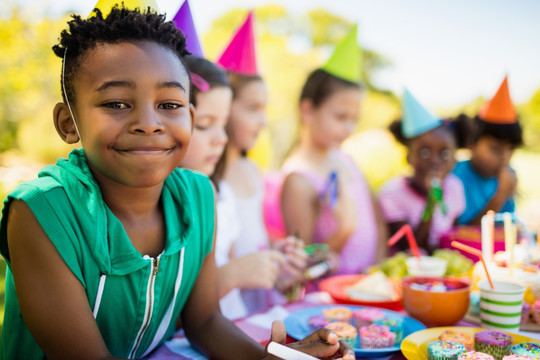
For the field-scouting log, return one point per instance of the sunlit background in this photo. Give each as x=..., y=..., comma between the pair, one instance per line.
x=452, y=55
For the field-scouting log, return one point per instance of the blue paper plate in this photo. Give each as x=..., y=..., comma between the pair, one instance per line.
x=297, y=324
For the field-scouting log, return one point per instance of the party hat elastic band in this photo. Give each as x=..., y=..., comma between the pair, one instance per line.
x=106, y=5
x=239, y=56
x=184, y=21
x=345, y=62
x=416, y=119
x=499, y=109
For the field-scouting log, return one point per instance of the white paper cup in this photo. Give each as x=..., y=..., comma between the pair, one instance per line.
x=427, y=266
x=500, y=307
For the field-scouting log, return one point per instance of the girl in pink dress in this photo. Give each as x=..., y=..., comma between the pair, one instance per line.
x=324, y=197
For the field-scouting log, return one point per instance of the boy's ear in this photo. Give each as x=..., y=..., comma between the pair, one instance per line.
x=306, y=110
x=64, y=124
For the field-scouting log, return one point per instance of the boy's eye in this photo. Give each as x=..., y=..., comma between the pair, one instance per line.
x=169, y=106
x=116, y=105
x=424, y=153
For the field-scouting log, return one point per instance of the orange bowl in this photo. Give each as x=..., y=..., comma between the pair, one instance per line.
x=435, y=308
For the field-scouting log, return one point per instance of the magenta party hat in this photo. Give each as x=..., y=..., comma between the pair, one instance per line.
x=416, y=119
x=184, y=21
x=345, y=61
x=239, y=56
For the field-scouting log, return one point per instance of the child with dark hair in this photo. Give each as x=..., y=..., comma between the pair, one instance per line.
x=324, y=197
x=431, y=199
x=490, y=182
x=106, y=250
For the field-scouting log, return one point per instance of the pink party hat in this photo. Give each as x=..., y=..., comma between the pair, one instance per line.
x=184, y=21
x=239, y=56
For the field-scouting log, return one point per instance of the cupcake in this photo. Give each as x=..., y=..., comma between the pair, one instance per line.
x=365, y=317
x=394, y=325
x=474, y=356
x=338, y=313
x=517, y=357
x=494, y=343
x=535, y=311
x=376, y=337
x=345, y=332
x=462, y=338
x=527, y=349
x=317, y=321
x=444, y=350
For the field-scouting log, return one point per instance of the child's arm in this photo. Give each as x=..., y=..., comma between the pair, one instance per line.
x=299, y=206
x=257, y=270
x=507, y=182
x=52, y=300
x=382, y=231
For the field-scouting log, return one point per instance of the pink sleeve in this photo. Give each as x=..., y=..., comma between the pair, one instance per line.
x=391, y=201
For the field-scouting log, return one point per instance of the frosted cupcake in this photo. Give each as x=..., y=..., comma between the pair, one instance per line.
x=366, y=316
x=473, y=355
x=394, y=325
x=527, y=349
x=317, y=321
x=462, y=338
x=535, y=311
x=517, y=357
x=345, y=332
x=444, y=350
x=338, y=313
x=376, y=337
x=494, y=343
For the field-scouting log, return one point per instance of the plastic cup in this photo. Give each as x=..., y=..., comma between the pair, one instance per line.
x=500, y=307
x=428, y=266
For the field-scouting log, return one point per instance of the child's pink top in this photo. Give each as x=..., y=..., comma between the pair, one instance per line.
x=400, y=202
x=359, y=250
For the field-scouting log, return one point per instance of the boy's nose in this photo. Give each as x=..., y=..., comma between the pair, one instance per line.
x=146, y=121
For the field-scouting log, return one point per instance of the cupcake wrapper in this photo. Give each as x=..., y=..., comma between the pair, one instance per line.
x=498, y=352
x=372, y=343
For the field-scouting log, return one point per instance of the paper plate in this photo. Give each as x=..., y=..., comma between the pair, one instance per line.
x=336, y=285
x=297, y=325
x=415, y=345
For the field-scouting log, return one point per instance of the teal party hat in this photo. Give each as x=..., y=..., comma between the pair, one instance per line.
x=416, y=119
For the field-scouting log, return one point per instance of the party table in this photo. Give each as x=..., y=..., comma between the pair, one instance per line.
x=258, y=325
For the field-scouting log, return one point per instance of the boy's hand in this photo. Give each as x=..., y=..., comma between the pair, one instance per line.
x=507, y=182
x=323, y=343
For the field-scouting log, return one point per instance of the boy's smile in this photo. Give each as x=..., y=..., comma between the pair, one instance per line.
x=132, y=110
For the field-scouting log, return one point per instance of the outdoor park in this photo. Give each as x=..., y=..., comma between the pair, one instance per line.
x=289, y=46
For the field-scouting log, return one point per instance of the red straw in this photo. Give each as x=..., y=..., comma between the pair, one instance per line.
x=476, y=252
x=406, y=230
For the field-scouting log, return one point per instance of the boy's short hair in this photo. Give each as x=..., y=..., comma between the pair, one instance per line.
x=120, y=25
x=510, y=133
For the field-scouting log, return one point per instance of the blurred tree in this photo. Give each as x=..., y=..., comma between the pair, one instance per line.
x=530, y=119
x=29, y=86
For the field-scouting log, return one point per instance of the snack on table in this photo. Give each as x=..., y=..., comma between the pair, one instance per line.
x=474, y=356
x=345, y=332
x=535, y=311
x=376, y=337
x=394, y=325
x=462, y=338
x=527, y=349
x=365, y=317
x=495, y=343
x=444, y=350
x=372, y=287
x=317, y=321
x=525, y=312
x=338, y=313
